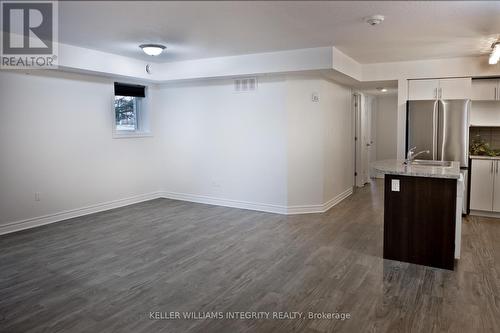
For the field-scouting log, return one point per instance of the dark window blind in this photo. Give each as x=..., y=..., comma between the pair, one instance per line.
x=133, y=90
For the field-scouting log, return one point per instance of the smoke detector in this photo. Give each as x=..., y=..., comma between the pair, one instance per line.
x=374, y=19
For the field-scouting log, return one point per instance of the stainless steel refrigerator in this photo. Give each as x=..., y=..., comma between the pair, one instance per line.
x=442, y=127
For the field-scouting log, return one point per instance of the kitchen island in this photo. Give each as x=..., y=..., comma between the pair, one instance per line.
x=422, y=211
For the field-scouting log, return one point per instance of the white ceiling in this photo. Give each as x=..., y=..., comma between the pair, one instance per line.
x=412, y=29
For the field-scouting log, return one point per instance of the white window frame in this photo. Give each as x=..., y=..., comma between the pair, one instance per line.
x=143, y=128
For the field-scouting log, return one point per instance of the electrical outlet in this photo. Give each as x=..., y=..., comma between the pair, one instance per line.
x=395, y=185
x=37, y=196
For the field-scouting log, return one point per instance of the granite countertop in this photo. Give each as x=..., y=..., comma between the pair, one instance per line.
x=396, y=167
x=483, y=157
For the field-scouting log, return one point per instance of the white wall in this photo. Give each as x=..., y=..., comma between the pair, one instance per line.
x=305, y=141
x=339, y=140
x=225, y=144
x=55, y=138
x=271, y=149
x=385, y=120
x=320, y=141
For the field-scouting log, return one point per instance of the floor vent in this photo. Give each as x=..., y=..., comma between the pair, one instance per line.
x=245, y=84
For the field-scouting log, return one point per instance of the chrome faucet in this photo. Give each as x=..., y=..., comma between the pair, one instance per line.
x=410, y=156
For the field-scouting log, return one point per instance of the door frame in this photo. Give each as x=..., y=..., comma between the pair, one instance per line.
x=357, y=102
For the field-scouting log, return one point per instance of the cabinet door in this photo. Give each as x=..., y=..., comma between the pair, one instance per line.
x=455, y=88
x=484, y=90
x=496, y=190
x=485, y=113
x=481, y=189
x=422, y=89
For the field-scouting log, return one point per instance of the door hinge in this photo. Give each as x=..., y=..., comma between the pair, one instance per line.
x=355, y=138
x=355, y=173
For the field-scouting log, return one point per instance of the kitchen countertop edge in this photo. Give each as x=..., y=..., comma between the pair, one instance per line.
x=396, y=167
x=483, y=157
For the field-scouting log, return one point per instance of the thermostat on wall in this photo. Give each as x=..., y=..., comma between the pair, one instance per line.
x=315, y=97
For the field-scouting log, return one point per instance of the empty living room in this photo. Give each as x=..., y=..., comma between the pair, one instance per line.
x=249, y=166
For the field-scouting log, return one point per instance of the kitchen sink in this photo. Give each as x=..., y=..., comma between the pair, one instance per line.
x=443, y=164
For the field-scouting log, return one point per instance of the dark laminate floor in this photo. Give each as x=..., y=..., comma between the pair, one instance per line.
x=105, y=272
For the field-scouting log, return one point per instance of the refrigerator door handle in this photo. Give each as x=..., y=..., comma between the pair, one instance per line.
x=491, y=169
x=434, y=131
x=439, y=133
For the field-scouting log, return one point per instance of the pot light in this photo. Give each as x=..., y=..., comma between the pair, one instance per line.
x=152, y=49
x=495, y=54
x=375, y=19
x=382, y=89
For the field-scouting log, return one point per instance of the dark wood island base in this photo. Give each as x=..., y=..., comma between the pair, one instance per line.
x=419, y=220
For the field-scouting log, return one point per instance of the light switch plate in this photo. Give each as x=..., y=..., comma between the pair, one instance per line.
x=395, y=185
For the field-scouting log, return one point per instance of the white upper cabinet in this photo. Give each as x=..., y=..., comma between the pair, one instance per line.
x=457, y=88
x=485, y=113
x=422, y=89
x=485, y=90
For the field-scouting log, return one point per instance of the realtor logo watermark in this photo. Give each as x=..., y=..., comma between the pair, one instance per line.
x=29, y=34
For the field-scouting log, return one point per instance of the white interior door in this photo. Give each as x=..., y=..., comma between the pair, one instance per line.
x=372, y=115
x=365, y=134
x=357, y=102
x=363, y=139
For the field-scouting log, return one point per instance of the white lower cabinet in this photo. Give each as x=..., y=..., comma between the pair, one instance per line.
x=485, y=185
x=496, y=188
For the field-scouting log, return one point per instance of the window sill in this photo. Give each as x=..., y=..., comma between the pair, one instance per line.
x=129, y=135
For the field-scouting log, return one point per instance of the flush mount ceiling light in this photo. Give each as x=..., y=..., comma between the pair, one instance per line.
x=382, y=89
x=152, y=49
x=495, y=53
x=374, y=19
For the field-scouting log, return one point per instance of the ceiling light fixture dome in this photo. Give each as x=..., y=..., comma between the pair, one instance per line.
x=153, y=49
x=374, y=19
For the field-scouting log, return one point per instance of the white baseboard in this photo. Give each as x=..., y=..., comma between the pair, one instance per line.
x=278, y=209
x=311, y=209
x=337, y=199
x=68, y=214
x=225, y=202
x=484, y=213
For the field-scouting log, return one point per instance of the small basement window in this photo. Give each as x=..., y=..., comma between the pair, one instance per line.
x=130, y=111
